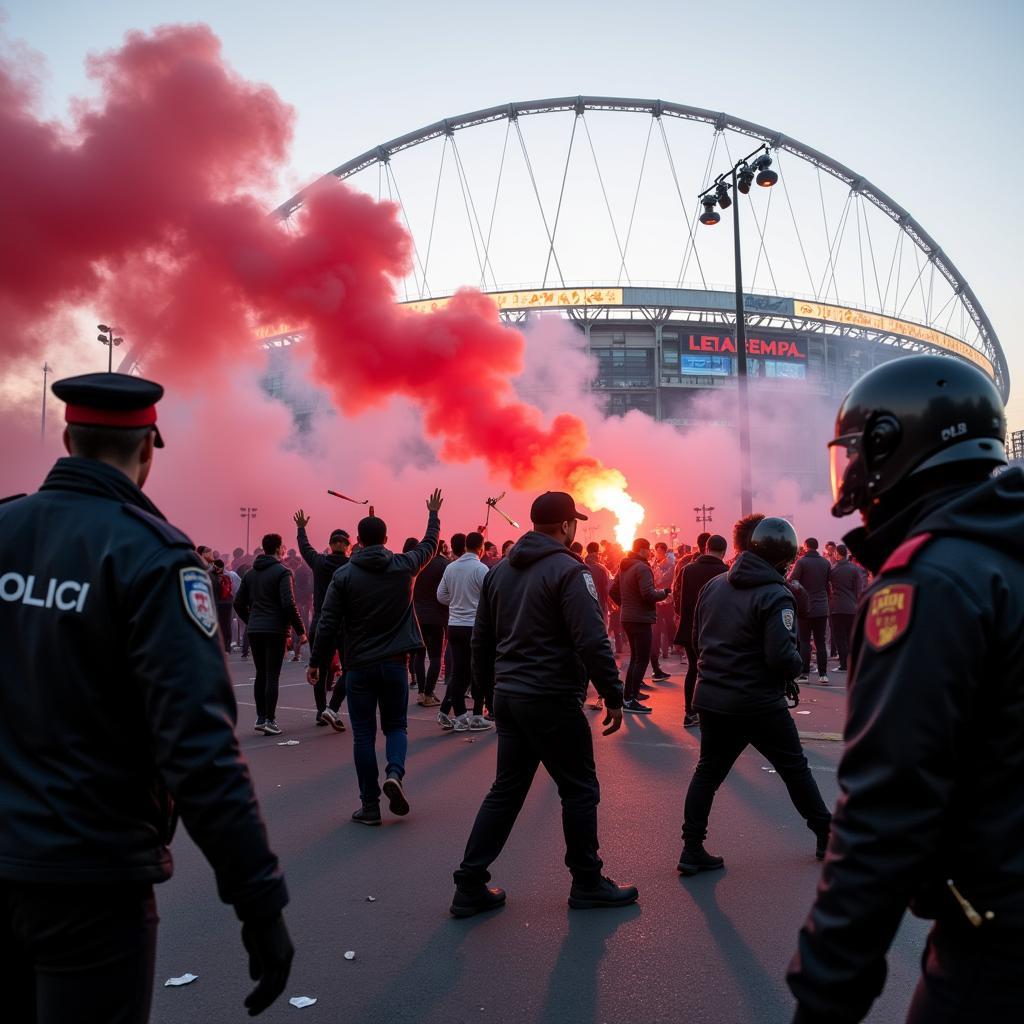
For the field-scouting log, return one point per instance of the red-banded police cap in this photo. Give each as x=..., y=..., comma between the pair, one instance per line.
x=110, y=400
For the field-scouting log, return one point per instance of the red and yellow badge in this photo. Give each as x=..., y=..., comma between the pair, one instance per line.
x=888, y=615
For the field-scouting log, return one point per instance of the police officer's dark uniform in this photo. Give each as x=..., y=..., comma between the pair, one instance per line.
x=116, y=716
x=931, y=806
x=745, y=639
x=540, y=635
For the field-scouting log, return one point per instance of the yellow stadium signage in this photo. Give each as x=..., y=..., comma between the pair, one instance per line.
x=539, y=298
x=890, y=325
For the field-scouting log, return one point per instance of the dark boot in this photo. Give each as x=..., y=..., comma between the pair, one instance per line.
x=368, y=814
x=466, y=903
x=397, y=802
x=604, y=894
x=695, y=859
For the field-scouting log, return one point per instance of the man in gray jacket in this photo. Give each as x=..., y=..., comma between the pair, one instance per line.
x=845, y=584
x=369, y=603
x=812, y=572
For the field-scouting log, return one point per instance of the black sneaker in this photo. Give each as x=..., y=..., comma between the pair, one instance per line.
x=397, y=802
x=320, y=720
x=690, y=721
x=660, y=677
x=368, y=814
x=802, y=678
x=605, y=894
x=634, y=707
x=467, y=903
x=271, y=728
x=261, y=724
x=692, y=862
x=641, y=696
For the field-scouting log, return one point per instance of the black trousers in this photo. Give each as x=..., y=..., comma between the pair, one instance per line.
x=722, y=739
x=320, y=687
x=82, y=953
x=690, y=682
x=969, y=975
x=433, y=640
x=842, y=627
x=814, y=626
x=459, y=643
x=267, y=657
x=532, y=731
x=641, y=638
x=224, y=613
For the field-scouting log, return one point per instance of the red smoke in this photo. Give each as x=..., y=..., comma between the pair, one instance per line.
x=147, y=207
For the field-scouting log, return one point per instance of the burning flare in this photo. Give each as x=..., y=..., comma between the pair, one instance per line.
x=600, y=487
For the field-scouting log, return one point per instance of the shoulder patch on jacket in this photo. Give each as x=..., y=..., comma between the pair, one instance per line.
x=163, y=529
x=889, y=613
x=591, y=586
x=905, y=553
x=197, y=596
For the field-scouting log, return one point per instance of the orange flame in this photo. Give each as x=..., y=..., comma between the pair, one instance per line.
x=600, y=487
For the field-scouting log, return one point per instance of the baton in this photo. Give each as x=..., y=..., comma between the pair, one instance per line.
x=345, y=497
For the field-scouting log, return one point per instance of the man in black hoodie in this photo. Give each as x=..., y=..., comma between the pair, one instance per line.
x=930, y=813
x=744, y=635
x=265, y=602
x=540, y=636
x=369, y=607
x=323, y=568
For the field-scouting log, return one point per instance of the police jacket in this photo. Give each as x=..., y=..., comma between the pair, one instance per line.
x=430, y=611
x=634, y=591
x=744, y=634
x=265, y=601
x=323, y=566
x=845, y=584
x=116, y=709
x=539, y=630
x=933, y=770
x=812, y=572
x=691, y=582
x=368, y=607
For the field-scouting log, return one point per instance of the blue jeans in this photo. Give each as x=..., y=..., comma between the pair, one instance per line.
x=385, y=684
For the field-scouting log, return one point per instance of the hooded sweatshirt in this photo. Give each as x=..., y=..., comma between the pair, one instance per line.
x=368, y=606
x=744, y=632
x=539, y=630
x=635, y=592
x=265, y=601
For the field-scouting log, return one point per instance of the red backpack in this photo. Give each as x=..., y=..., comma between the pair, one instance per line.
x=223, y=587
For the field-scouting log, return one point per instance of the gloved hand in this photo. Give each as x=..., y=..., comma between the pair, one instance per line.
x=270, y=960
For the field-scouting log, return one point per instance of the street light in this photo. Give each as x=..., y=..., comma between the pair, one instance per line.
x=248, y=513
x=47, y=370
x=754, y=166
x=704, y=513
x=106, y=337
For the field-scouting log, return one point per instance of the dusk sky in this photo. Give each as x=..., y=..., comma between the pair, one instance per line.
x=921, y=98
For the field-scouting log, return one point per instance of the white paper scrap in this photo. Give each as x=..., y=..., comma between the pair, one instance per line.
x=288, y=743
x=803, y=712
x=185, y=979
x=301, y=1001
x=350, y=955
x=371, y=899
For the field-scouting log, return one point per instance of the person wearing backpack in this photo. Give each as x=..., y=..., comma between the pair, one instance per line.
x=223, y=593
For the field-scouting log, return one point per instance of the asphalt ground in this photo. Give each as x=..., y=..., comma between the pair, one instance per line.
x=713, y=948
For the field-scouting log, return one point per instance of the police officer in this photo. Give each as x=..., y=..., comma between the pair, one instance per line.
x=930, y=812
x=744, y=636
x=540, y=635
x=116, y=716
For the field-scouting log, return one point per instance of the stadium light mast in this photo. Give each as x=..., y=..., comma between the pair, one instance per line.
x=106, y=337
x=742, y=175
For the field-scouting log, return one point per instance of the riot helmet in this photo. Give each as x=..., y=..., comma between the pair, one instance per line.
x=774, y=540
x=907, y=416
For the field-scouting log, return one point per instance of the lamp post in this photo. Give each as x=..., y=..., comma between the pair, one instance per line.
x=703, y=513
x=742, y=174
x=248, y=513
x=47, y=369
x=106, y=337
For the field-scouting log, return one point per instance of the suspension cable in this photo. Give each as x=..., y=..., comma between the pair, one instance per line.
x=706, y=177
x=393, y=180
x=682, y=204
x=494, y=205
x=796, y=227
x=636, y=199
x=463, y=186
x=540, y=205
x=433, y=216
x=558, y=208
x=607, y=205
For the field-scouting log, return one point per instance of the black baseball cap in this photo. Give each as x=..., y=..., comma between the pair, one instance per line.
x=110, y=400
x=554, y=507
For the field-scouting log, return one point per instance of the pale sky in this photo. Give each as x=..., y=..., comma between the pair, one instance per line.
x=923, y=98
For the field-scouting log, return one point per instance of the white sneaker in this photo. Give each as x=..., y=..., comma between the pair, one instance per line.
x=823, y=680
x=478, y=722
x=444, y=721
x=461, y=723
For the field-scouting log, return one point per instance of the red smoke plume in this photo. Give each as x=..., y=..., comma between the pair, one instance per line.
x=147, y=207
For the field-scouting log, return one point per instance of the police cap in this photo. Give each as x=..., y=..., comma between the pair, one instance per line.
x=110, y=400
x=554, y=507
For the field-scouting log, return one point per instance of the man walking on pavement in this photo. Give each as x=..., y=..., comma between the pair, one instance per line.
x=812, y=572
x=433, y=619
x=459, y=589
x=539, y=635
x=369, y=606
x=323, y=568
x=845, y=584
x=691, y=582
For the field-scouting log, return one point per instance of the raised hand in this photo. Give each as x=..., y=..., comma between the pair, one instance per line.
x=301, y=519
x=435, y=501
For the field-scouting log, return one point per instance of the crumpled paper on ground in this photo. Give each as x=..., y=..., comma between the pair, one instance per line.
x=301, y=1001
x=185, y=979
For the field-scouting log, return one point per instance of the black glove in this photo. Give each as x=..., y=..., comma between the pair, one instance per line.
x=270, y=960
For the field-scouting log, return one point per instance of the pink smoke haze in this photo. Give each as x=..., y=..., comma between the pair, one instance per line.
x=150, y=204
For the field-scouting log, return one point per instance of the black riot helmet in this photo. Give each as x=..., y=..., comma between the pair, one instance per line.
x=911, y=415
x=775, y=541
